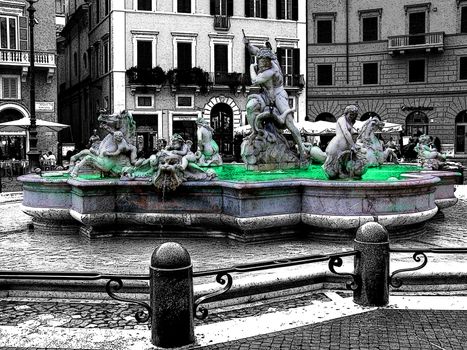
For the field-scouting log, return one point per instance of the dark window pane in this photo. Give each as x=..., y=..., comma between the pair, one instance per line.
x=184, y=56
x=184, y=101
x=324, y=72
x=370, y=73
x=144, y=5
x=370, y=28
x=12, y=34
x=463, y=68
x=416, y=71
x=220, y=58
x=144, y=54
x=324, y=31
x=144, y=101
x=464, y=19
x=184, y=6
x=3, y=32
x=417, y=28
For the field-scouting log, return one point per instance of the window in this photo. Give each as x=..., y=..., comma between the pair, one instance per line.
x=220, y=58
x=369, y=24
x=95, y=61
x=98, y=10
x=324, y=74
x=144, y=101
x=289, y=59
x=85, y=60
x=10, y=88
x=416, y=71
x=256, y=8
x=463, y=68
x=287, y=9
x=75, y=64
x=184, y=6
x=8, y=32
x=463, y=19
x=184, y=55
x=144, y=5
x=105, y=57
x=370, y=29
x=222, y=7
x=417, y=22
x=144, y=54
x=370, y=73
x=184, y=101
x=324, y=27
x=106, y=7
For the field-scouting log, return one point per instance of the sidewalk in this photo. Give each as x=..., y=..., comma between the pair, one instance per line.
x=329, y=321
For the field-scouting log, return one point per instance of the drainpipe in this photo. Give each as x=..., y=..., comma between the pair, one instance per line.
x=347, y=38
x=110, y=57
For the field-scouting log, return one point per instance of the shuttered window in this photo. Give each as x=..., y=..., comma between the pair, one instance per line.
x=287, y=9
x=256, y=8
x=8, y=32
x=10, y=88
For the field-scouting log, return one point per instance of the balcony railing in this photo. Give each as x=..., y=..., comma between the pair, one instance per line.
x=425, y=41
x=21, y=58
x=221, y=22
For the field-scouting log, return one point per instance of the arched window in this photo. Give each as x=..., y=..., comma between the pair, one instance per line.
x=328, y=117
x=461, y=134
x=416, y=124
x=368, y=115
x=222, y=123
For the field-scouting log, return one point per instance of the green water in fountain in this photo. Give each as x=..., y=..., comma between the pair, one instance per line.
x=238, y=173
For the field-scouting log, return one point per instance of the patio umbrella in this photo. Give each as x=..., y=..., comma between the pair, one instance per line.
x=24, y=123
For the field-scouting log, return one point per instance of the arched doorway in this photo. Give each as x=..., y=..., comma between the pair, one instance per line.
x=325, y=139
x=461, y=135
x=368, y=115
x=222, y=123
x=12, y=144
x=416, y=124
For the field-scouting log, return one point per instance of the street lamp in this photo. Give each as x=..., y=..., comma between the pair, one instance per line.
x=33, y=153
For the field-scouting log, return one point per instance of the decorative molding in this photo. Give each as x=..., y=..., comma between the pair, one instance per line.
x=221, y=36
x=24, y=74
x=324, y=15
x=378, y=11
x=184, y=34
x=426, y=6
x=144, y=32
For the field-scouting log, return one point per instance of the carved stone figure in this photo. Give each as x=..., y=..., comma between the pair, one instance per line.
x=267, y=112
x=314, y=153
x=343, y=159
x=431, y=159
x=208, y=150
x=177, y=163
x=376, y=155
x=115, y=151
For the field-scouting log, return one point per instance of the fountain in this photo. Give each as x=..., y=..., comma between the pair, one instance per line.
x=275, y=194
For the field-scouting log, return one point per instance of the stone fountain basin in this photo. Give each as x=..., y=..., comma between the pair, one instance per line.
x=243, y=211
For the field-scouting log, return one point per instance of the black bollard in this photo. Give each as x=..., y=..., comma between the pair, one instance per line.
x=171, y=285
x=372, y=265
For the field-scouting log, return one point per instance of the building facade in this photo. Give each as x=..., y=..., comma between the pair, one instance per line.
x=14, y=77
x=119, y=52
x=404, y=60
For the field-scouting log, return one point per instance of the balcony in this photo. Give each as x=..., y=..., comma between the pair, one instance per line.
x=21, y=58
x=427, y=42
x=194, y=78
x=221, y=22
x=224, y=80
x=143, y=79
x=17, y=58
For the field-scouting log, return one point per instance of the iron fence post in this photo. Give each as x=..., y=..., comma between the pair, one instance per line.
x=171, y=288
x=372, y=265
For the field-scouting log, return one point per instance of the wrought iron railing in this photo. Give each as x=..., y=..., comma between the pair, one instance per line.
x=224, y=277
x=114, y=284
x=424, y=40
x=21, y=58
x=419, y=255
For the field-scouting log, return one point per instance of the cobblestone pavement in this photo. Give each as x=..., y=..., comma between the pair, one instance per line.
x=22, y=249
x=380, y=329
x=10, y=184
